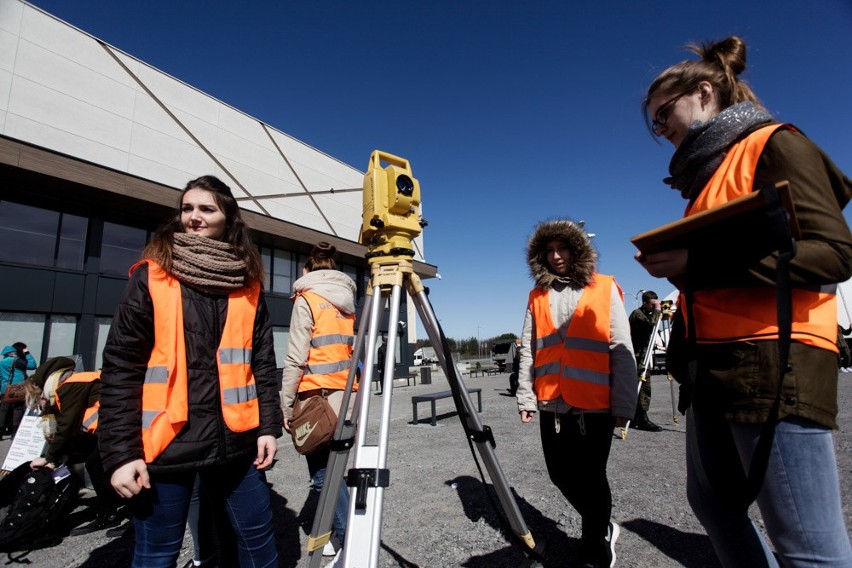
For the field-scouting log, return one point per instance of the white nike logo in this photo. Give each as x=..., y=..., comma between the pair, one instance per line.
x=303, y=432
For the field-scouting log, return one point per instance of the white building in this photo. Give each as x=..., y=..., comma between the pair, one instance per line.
x=94, y=148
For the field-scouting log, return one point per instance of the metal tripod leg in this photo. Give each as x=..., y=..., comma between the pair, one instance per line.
x=342, y=441
x=481, y=438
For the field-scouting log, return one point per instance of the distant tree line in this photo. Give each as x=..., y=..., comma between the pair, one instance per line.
x=471, y=348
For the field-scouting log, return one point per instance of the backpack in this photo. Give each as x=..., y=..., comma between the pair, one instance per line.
x=36, y=513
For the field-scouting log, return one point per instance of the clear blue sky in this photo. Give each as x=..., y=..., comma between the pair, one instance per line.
x=510, y=112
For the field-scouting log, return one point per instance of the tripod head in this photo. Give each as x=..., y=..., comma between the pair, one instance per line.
x=391, y=213
x=667, y=309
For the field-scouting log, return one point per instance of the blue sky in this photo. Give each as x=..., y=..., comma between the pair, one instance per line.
x=510, y=112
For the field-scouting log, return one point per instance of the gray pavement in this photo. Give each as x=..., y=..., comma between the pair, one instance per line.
x=435, y=510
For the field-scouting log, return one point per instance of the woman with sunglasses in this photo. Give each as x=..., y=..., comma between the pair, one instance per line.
x=727, y=145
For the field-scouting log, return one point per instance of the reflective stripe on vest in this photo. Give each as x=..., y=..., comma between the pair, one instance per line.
x=165, y=403
x=748, y=314
x=573, y=362
x=330, y=353
x=90, y=416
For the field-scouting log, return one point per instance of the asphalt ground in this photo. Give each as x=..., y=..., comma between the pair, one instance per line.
x=436, y=511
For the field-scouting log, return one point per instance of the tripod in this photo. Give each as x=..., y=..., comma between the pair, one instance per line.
x=662, y=327
x=370, y=476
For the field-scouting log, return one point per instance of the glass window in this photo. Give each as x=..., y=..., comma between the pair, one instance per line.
x=282, y=272
x=121, y=248
x=266, y=259
x=28, y=234
x=28, y=328
x=63, y=331
x=72, y=242
x=102, y=326
x=280, y=339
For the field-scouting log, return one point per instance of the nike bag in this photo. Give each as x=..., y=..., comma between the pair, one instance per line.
x=312, y=425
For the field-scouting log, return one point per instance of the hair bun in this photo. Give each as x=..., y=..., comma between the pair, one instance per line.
x=323, y=250
x=729, y=53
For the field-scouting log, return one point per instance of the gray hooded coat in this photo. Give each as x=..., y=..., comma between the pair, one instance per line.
x=337, y=288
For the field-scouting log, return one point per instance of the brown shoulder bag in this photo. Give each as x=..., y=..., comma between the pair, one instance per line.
x=312, y=425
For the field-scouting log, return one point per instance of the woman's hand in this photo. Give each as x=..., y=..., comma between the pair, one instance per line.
x=41, y=462
x=131, y=478
x=266, y=449
x=527, y=416
x=287, y=424
x=669, y=264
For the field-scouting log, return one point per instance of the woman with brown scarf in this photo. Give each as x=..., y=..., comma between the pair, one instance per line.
x=188, y=381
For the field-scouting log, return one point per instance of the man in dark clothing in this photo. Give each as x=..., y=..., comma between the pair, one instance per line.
x=642, y=323
x=380, y=363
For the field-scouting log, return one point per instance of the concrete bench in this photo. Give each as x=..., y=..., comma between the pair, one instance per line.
x=435, y=396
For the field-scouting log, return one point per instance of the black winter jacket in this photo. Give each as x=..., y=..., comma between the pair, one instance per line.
x=205, y=439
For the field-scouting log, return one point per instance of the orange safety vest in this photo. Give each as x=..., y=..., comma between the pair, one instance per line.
x=90, y=416
x=748, y=314
x=574, y=363
x=165, y=403
x=330, y=354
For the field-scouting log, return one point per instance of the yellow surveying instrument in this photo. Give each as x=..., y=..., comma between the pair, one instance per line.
x=391, y=220
x=662, y=329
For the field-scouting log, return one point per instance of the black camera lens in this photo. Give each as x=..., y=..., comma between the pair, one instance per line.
x=404, y=185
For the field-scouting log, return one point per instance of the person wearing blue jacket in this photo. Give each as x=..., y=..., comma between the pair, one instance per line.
x=16, y=361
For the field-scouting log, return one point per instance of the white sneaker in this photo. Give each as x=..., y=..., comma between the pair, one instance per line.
x=337, y=562
x=612, y=536
x=328, y=550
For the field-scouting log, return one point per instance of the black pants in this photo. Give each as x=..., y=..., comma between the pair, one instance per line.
x=16, y=410
x=576, y=459
x=85, y=450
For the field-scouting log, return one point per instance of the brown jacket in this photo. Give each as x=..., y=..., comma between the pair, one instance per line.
x=741, y=379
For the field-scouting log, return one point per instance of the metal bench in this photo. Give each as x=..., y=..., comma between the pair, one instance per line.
x=434, y=396
x=401, y=372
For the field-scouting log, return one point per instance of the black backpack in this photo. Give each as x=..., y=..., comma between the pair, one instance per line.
x=35, y=517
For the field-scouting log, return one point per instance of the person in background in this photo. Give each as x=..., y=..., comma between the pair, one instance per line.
x=69, y=405
x=577, y=368
x=189, y=384
x=318, y=358
x=381, y=354
x=726, y=344
x=643, y=320
x=16, y=361
x=845, y=355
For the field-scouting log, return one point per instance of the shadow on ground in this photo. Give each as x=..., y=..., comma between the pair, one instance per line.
x=687, y=549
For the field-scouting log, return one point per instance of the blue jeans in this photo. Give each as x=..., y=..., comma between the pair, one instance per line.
x=160, y=514
x=799, y=500
x=341, y=512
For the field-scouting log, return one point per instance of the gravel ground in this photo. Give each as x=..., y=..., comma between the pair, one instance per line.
x=436, y=513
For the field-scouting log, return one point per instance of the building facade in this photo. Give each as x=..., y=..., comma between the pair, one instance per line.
x=95, y=147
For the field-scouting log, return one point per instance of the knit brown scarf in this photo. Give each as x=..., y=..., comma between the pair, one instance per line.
x=207, y=264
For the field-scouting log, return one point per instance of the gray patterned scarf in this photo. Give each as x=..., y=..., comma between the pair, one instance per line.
x=207, y=264
x=706, y=144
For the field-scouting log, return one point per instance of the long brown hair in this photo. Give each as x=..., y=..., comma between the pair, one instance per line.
x=159, y=248
x=720, y=65
x=322, y=257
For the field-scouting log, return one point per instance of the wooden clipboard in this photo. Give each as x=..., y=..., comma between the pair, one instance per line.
x=741, y=216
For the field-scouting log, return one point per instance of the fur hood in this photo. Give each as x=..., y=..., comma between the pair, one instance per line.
x=583, y=255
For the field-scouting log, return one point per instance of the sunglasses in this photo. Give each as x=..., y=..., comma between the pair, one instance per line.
x=662, y=114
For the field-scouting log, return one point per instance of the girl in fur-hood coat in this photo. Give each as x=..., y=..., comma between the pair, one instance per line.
x=576, y=441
